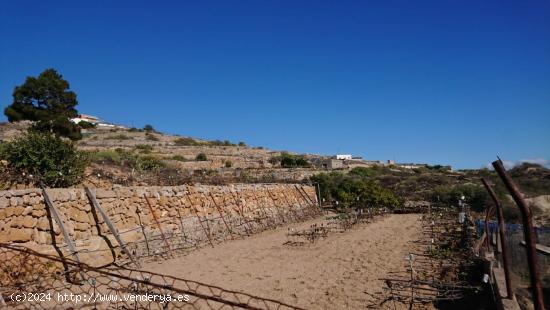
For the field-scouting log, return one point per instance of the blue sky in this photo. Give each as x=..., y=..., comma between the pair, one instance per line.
x=450, y=82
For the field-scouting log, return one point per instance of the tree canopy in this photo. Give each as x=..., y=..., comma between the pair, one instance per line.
x=48, y=102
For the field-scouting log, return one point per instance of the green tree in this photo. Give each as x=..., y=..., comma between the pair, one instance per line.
x=45, y=158
x=48, y=102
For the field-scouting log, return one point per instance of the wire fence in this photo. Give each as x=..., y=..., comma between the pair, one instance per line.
x=514, y=239
x=32, y=280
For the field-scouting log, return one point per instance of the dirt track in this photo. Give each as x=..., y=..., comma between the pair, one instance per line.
x=334, y=273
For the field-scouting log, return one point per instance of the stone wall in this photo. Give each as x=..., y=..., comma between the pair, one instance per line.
x=193, y=215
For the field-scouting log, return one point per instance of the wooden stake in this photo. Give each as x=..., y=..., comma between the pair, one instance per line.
x=110, y=225
x=168, y=248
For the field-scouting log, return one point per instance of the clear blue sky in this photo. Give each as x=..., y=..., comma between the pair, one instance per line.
x=451, y=82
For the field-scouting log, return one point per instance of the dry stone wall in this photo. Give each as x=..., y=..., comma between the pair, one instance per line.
x=191, y=215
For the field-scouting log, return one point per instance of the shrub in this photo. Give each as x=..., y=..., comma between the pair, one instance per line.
x=134, y=129
x=201, y=157
x=151, y=137
x=144, y=148
x=148, y=128
x=228, y=164
x=287, y=160
x=106, y=156
x=220, y=143
x=118, y=137
x=241, y=143
x=179, y=158
x=354, y=191
x=86, y=125
x=475, y=195
x=148, y=163
x=182, y=141
x=49, y=159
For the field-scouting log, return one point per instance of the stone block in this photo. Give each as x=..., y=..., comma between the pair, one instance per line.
x=16, y=201
x=102, y=193
x=20, y=235
x=43, y=223
x=4, y=202
x=38, y=212
x=28, y=221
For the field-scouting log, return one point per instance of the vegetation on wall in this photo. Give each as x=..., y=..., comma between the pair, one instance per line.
x=45, y=158
x=129, y=159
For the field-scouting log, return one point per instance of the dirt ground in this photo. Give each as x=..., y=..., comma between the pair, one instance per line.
x=334, y=273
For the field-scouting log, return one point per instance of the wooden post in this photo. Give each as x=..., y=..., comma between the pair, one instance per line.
x=528, y=231
x=66, y=236
x=502, y=232
x=168, y=248
x=110, y=225
x=138, y=211
x=264, y=210
x=259, y=221
x=221, y=215
x=290, y=207
x=304, y=195
x=276, y=207
x=246, y=225
x=200, y=222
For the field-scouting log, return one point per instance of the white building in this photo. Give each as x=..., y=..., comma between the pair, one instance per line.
x=86, y=118
x=93, y=120
x=344, y=156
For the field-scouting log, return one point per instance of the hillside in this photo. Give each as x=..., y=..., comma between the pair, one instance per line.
x=123, y=156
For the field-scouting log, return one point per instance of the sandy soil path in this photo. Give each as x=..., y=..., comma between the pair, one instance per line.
x=334, y=273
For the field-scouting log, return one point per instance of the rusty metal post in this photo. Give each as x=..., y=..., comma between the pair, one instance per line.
x=502, y=232
x=158, y=225
x=528, y=231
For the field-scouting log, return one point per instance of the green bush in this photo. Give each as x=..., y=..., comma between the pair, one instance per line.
x=241, y=143
x=475, y=195
x=287, y=160
x=106, y=156
x=182, y=141
x=49, y=159
x=201, y=157
x=144, y=148
x=352, y=190
x=151, y=137
x=179, y=158
x=148, y=163
x=86, y=125
x=118, y=137
x=228, y=164
x=134, y=129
